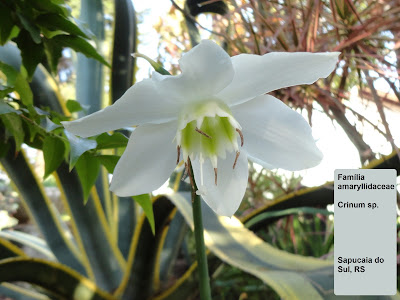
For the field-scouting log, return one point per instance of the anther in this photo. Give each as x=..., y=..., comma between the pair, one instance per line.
x=215, y=175
x=236, y=158
x=241, y=136
x=203, y=133
x=178, y=148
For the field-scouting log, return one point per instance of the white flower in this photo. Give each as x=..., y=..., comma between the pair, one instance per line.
x=207, y=112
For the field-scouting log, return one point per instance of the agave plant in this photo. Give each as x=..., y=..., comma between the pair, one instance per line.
x=117, y=247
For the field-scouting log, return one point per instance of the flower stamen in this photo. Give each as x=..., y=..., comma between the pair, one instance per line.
x=189, y=166
x=215, y=175
x=241, y=136
x=185, y=172
x=236, y=158
x=203, y=133
x=178, y=149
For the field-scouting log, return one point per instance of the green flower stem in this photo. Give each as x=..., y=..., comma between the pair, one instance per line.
x=205, y=290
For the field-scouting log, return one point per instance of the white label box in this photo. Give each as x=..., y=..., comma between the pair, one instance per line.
x=365, y=232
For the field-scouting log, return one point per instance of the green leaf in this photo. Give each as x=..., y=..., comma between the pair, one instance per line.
x=53, y=53
x=51, y=7
x=23, y=89
x=4, y=91
x=53, y=154
x=6, y=23
x=6, y=109
x=109, y=162
x=41, y=112
x=78, y=147
x=145, y=202
x=10, y=72
x=126, y=40
x=142, y=259
x=127, y=221
x=280, y=213
x=31, y=52
x=105, y=260
x=4, y=150
x=48, y=124
x=30, y=27
x=291, y=276
x=88, y=168
x=49, y=34
x=17, y=81
x=8, y=249
x=84, y=25
x=73, y=106
x=40, y=207
x=13, y=291
x=58, y=2
x=173, y=242
x=79, y=45
x=49, y=275
x=57, y=22
x=115, y=140
x=13, y=124
x=33, y=131
x=28, y=240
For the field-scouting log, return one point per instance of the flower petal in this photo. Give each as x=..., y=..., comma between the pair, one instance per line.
x=256, y=75
x=147, y=162
x=225, y=197
x=276, y=136
x=206, y=70
x=141, y=103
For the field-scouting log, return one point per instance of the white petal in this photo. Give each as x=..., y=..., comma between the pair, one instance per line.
x=206, y=70
x=141, y=103
x=148, y=160
x=276, y=136
x=256, y=75
x=225, y=197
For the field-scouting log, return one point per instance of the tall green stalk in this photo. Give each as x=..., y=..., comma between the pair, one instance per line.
x=205, y=290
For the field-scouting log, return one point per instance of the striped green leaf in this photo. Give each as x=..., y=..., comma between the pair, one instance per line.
x=57, y=278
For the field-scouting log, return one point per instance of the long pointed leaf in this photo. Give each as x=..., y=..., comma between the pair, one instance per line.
x=103, y=255
x=29, y=241
x=89, y=84
x=49, y=275
x=127, y=223
x=18, y=169
x=138, y=279
x=234, y=244
x=8, y=249
x=16, y=292
x=125, y=41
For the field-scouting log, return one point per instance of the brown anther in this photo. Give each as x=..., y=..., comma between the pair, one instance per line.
x=215, y=175
x=241, y=136
x=203, y=133
x=236, y=158
x=178, y=149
